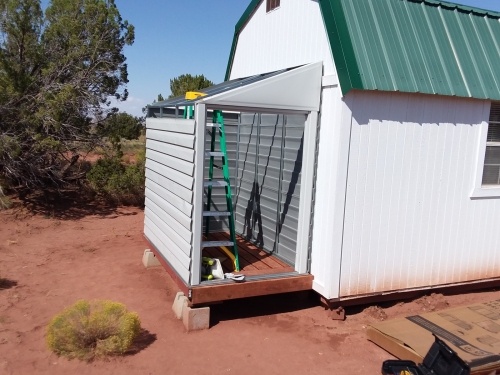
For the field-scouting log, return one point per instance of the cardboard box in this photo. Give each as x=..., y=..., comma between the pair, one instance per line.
x=473, y=332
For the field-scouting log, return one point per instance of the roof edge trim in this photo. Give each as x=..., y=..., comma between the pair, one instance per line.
x=341, y=45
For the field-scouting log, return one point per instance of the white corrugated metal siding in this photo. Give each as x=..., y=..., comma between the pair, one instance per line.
x=292, y=35
x=330, y=192
x=409, y=220
x=169, y=190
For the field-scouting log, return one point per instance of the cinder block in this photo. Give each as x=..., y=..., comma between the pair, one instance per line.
x=149, y=259
x=196, y=319
x=179, y=302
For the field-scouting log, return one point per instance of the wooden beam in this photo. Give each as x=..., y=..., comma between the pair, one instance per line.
x=177, y=280
x=222, y=292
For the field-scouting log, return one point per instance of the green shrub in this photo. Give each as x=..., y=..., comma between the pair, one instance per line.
x=118, y=182
x=93, y=330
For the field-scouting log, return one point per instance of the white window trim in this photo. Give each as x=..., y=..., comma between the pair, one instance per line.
x=273, y=10
x=478, y=191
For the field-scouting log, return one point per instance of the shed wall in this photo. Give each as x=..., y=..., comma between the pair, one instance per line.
x=409, y=220
x=292, y=35
x=330, y=191
x=169, y=190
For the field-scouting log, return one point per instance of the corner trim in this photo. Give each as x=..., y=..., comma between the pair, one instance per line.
x=306, y=193
x=199, y=165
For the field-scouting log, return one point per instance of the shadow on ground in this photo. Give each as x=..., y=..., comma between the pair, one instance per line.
x=143, y=341
x=289, y=302
x=67, y=205
x=262, y=306
x=7, y=284
x=435, y=299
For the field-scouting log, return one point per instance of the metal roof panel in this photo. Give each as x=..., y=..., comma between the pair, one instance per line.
x=424, y=46
x=181, y=101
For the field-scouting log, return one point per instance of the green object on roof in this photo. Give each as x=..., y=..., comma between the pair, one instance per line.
x=418, y=46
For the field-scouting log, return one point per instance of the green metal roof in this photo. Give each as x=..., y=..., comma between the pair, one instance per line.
x=425, y=46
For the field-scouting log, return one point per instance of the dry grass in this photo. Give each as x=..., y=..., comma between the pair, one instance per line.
x=5, y=202
x=133, y=147
x=93, y=330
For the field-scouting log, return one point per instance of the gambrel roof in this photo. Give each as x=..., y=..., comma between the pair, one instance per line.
x=419, y=46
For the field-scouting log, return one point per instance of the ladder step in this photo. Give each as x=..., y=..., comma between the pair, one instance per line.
x=216, y=243
x=216, y=213
x=213, y=125
x=212, y=153
x=215, y=183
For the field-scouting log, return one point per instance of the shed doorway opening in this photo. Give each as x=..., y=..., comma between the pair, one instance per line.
x=265, y=159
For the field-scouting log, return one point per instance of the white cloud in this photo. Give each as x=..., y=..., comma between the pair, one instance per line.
x=132, y=105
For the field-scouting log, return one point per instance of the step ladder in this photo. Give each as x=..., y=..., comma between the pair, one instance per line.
x=217, y=126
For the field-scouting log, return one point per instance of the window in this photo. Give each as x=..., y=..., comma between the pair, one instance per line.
x=491, y=170
x=272, y=4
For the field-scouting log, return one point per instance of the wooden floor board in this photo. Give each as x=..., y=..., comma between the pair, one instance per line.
x=260, y=254
x=245, y=257
x=218, y=253
x=253, y=260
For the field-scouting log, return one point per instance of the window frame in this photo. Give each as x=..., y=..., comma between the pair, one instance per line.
x=479, y=191
x=269, y=5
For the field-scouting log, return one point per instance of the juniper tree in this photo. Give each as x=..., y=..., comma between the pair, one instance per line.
x=58, y=71
x=186, y=82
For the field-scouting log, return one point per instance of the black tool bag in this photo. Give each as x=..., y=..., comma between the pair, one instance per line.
x=440, y=360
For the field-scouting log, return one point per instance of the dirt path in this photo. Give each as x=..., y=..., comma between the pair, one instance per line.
x=51, y=262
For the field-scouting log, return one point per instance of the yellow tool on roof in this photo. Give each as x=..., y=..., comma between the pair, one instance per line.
x=191, y=95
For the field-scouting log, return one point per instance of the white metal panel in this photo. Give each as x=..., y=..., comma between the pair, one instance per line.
x=155, y=184
x=292, y=35
x=169, y=191
x=178, y=177
x=179, y=152
x=156, y=204
x=330, y=191
x=184, y=140
x=409, y=219
x=173, y=211
x=172, y=247
x=152, y=234
x=169, y=124
x=178, y=164
x=176, y=189
x=297, y=89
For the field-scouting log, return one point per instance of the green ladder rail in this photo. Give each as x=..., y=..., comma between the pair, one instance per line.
x=218, y=124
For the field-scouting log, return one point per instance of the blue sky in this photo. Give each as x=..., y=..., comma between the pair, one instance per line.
x=188, y=36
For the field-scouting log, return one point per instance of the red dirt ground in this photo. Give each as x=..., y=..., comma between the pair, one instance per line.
x=94, y=252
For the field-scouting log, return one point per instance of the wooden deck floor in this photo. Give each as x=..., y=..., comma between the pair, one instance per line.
x=253, y=261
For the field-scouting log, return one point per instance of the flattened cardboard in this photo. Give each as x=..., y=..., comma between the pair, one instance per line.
x=473, y=332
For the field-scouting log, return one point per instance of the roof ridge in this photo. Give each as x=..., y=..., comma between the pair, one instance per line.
x=467, y=8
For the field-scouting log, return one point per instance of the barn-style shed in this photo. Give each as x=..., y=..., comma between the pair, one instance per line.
x=363, y=148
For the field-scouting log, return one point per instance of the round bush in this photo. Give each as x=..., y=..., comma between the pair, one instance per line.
x=90, y=330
